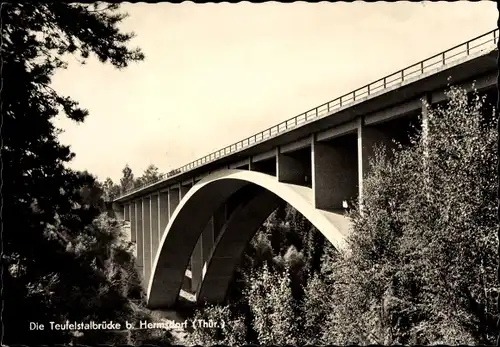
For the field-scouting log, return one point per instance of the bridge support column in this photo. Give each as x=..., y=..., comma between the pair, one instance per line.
x=139, y=234
x=173, y=200
x=183, y=191
x=251, y=164
x=196, y=264
x=131, y=210
x=290, y=169
x=146, y=232
x=207, y=242
x=133, y=226
x=126, y=212
x=368, y=138
x=163, y=212
x=333, y=168
x=155, y=225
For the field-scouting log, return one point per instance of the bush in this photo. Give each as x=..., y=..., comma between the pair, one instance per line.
x=422, y=258
x=270, y=299
x=423, y=249
x=230, y=330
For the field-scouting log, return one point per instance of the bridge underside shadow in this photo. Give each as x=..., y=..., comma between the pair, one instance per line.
x=230, y=245
x=253, y=197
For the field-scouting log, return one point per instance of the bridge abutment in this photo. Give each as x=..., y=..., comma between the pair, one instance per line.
x=116, y=210
x=121, y=212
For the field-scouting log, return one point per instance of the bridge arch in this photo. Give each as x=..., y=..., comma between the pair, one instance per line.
x=195, y=210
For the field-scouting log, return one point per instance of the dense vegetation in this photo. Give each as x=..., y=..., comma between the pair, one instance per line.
x=63, y=259
x=422, y=262
x=128, y=181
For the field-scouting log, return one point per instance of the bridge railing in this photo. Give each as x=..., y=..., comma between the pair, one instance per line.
x=453, y=54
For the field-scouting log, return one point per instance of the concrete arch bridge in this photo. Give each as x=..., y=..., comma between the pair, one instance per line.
x=202, y=215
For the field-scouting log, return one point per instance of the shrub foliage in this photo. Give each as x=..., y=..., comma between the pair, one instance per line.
x=421, y=263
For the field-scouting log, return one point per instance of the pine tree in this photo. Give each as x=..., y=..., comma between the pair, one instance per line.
x=127, y=181
x=47, y=207
x=111, y=190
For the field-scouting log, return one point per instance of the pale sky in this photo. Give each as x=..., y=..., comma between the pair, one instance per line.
x=217, y=73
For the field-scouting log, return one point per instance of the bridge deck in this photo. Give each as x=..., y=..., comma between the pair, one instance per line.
x=472, y=58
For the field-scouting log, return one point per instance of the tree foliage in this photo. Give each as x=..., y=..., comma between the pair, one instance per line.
x=270, y=299
x=127, y=181
x=266, y=292
x=110, y=190
x=150, y=175
x=422, y=264
x=230, y=329
x=422, y=257
x=61, y=260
